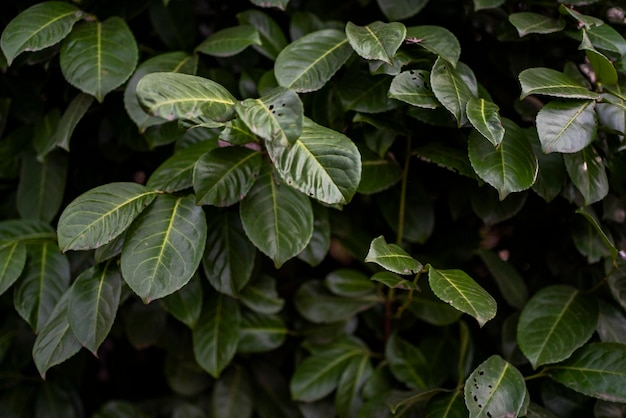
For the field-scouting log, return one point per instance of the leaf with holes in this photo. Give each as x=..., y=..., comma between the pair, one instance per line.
x=586, y=170
x=376, y=41
x=454, y=87
x=230, y=41
x=412, y=87
x=485, y=117
x=391, y=257
x=437, y=40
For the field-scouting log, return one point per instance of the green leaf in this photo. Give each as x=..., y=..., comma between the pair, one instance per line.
x=229, y=256
x=12, y=262
x=554, y=323
x=55, y=341
x=400, y=10
x=551, y=173
x=454, y=87
x=348, y=399
x=509, y=281
x=322, y=163
x=25, y=230
x=436, y=39
x=316, y=250
x=186, y=304
x=458, y=289
x=391, y=257
x=230, y=41
x=487, y=4
x=603, y=68
x=407, y=362
x=280, y=4
x=597, y=370
x=38, y=27
x=216, y=335
x=164, y=247
x=99, y=215
x=590, y=216
x=450, y=158
x=376, y=41
x=43, y=135
x=261, y=296
x=393, y=281
x=319, y=306
x=430, y=309
x=41, y=186
x=176, y=173
x=179, y=62
x=412, y=87
x=187, y=97
x=529, y=22
x=567, y=126
x=617, y=285
x=98, y=57
x=349, y=283
x=75, y=111
x=92, y=305
x=276, y=116
x=362, y=92
x=606, y=38
x=232, y=395
x=553, y=83
x=378, y=173
x=276, y=218
x=447, y=405
x=44, y=280
x=272, y=38
x=587, y=21
x=271, y=397
x=509, y=167
x=309, y=62
x=611, y=324
x=495, y=389
x=587, y=172
x=485, y=117
x=260, y=332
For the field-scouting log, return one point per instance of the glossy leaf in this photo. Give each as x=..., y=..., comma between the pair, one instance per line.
x=260, y=333
x=376, y=41
x=77, y=108
x=529, y=22
x=173, y=96
x=587, y=172
x=92, y=305
x=553, y=83
x=230, y=41
x=395, y=10
x=319, y=306
x=485, y=117
x=232, y=395
x=309, y=62
x=454, y=87
x=99, y=215
x=38, y=27
x=554, y=323
x=261, y=296
x=597, y=370
x=348, y=399
x=164, y=246
x=509, y=281
x=567, y=127
x=277, y=219
x=436, y=39
x=216, y=335
x=509, y=167
x=41, y=187
x=412, y=87
x=12, y=262
x=186, y=304
x=98, y=57
x=45, y=279
x=391, y=257
x=55, y=341
x=458, y=289
x=495, y=389
x=272, y=38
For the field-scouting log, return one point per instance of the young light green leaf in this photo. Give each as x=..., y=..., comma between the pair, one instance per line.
x=348, y=399
x=376, y=41
x=391, y=257
x=55, y=341
x=587, y=172
x=597, y=370
x=216, y=335
x=509, y=281
x=554, y=323
x=232, y=395
x=187, y=97
x=280, y=4
x=511, y=166
x=261, y=296
x=458, y=289
x=276, y=116
x=322, y=163
x=412, y=87
x=276, y=218
x=314, y=302
x=454, y=87
x=38, y=27
x=436, y=39
x=92, y=305
x=99, y=215
x=309, y=62
x=349, y=283
x=12, y=262
x=98, y=57
x=272, y=38
x=567, y=126
x=487, y=4
x=230, y=41
x=186, y=304
x=260, y=333
x=41, y=186
x=229, y=255
x=529, y=22
x=75, y=111
x=553, y=83
x=395, y=10
x=164, y=247
x=485, y=117
x=45, y=279
x=495, y=389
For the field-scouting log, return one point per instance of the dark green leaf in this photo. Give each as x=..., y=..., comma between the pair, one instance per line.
x=232, y=395
x=348, y=399
x=587, y=172
x=271, y=395
x=349, y=283
x=436, y=39
x=378, y=173
x=400, y=10
x=484, y=116
x=317, y=248
x=260, y=332
x=553, y=83
x=376, y=41
x=454, y=87
x=412, y=87
x=603, y=68
x=73, y=114
x=590, y=216
x=272, y=38
x=230, y=41
x=25, y=230
x=44, y=140
x=448, y=405
x=529, y=22
x=362, y=92
x=261, y=296
x=393, y=281
x=41, y=186
x=450, y=158
x=54, y=399
x=551, y=174
x=617, y=285
x=186, y=304
x=407, y=362
x=429, y=308
x=567, y=127
x=391, y=257
x=280, y=4
x=611, y=324
x=585, y=20
x=320, y=306
x=509, y=281
x=12, y=262
x=606, y=38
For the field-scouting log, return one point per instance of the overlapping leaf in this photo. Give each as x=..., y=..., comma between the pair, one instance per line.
x=454, y=87
x=436, y=39
x=348, y=399
x=485, y=117
x=75, y=111
x=553, y=83
x=230, y=41
x=186, y=304
x=376, y=41
x=509, y=281
x=391, y=257
x=272, y=38
x=603, y=68
x=587, y=172
x=261, y=296
x=412, y=87
x=280, y=4
x=319, y=245
x=260, y=333
x=529, y=22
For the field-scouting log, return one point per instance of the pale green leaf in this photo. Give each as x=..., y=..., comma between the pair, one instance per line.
x=12, y=262
x=458, y=289
x=314, y=302
x=272, y=38
x=554, y=323
x=587, y=172
x=376, y=41
x=98, y=57
x=567, y=126
x=553, y=83
x=186, y=304
x=261, y=332
x=38, y=27
x=391, y=257
x=454, y=87
x=261, y=296
x=309, y=62
x=436, y=39
x=164, y=246
x=75, y=111
x=485, y=117
x=400, y=10
x=99, y=215
x=412, y=87
x=41, y=187
x=348, y=399
x=509, y=281
x=529, y=22
x=230, y=41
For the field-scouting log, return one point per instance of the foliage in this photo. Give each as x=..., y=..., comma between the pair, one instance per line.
x=310, y=209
